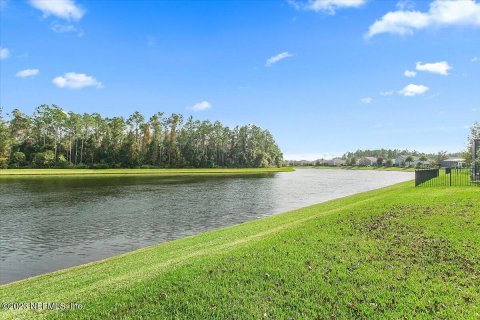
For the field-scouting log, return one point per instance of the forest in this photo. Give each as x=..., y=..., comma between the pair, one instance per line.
x=54, y=138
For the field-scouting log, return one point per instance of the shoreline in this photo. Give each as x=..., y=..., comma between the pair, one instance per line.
x=139, y=172
x=153, y=246
x=311, y=248
x=357, y=168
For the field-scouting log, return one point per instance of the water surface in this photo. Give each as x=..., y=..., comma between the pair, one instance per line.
x=50, y=223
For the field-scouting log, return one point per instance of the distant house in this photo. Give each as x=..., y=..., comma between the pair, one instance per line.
x=367, y=161
x=328, y=162
x=307, y=163
x=389, y=162
x=453, y=163
x=339, y=162
x=299, y=163
x=400, y=161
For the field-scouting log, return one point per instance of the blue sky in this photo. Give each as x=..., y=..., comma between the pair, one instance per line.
x=324, y=76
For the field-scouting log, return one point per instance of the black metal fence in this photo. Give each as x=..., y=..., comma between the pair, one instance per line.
x=447, y=177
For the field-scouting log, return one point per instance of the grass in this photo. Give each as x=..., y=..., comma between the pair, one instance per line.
x=397, y=252
x=150, y=172
x=457, y=177
x=362, y=168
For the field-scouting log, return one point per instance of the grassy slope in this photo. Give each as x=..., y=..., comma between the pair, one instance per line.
x=157, y=172
x=390, y=253
x=365, y=168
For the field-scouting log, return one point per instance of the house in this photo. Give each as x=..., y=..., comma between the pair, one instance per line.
x=367, y=161
x=328, y=162
x=453, y=163
x=337, y=162
x=388, y=162
x=400, y=161
x=299, y=163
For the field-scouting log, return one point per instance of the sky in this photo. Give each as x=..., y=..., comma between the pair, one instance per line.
x=324, y=76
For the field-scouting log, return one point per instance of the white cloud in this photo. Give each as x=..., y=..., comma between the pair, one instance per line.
x=405, y=5
x=72, y=80
x=4, y=53
x=279, y=57
x=201, y=106
x=409, y=74
x=64, y=9
x=441, y=67
x=387, y=93
x=441, y=13
x=366, y=100
x=326, y=6
x=27, y=73
x=64, y=28
x=399, y=22
x=330, y=6
x=413, y=90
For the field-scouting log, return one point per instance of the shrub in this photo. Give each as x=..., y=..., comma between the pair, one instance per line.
x=99, y=166
x=19, y=158
x=3, y=163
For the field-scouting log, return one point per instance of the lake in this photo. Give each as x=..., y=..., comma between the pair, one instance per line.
x=50, y=223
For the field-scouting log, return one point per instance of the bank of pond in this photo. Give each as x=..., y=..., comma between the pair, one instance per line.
x=394, y=252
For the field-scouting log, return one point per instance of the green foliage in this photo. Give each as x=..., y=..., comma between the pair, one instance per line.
x=395, y=253
x=160, y=142
x=102, y=169
x=5, y=142
x=18, y=160
x=387, y=154
x=474, y=134
x=44, y=159
x=408, y=160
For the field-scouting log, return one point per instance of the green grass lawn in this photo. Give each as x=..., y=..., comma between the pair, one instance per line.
x=394, y=253
x=156, y=172
x=362, y=168
x=455, y=178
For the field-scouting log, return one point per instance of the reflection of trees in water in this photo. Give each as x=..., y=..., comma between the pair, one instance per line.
x=72, y=216
x=75, y=219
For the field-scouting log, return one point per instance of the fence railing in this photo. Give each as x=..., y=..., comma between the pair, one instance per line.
x=447, y=177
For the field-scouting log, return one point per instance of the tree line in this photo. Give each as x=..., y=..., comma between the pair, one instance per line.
x=53, y=138
x=385, y=153
x=385, y=157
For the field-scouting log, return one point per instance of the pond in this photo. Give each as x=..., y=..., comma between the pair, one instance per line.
x=50, y=223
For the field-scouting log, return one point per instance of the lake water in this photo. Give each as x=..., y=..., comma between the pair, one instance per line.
x=50, y=223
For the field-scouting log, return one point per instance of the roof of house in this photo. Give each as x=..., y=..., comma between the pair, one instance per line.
x=406, y=156
x=455, y=159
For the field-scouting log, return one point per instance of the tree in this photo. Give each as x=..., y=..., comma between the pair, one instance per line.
x=44, y=159
x=441, y=155
x=4, y=142
x=53, y=137
x=474, y=134
x=409, y=160
x=18, y=159
x=379, y=161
